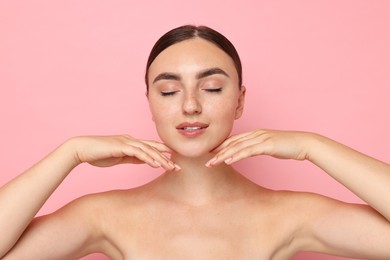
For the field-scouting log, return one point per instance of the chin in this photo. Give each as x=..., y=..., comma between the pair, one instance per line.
x=192, y=151
x=193, y=147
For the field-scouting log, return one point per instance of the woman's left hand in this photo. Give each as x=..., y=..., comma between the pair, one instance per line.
x=278, y=144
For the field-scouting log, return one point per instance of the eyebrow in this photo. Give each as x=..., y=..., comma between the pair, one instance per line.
x=200, y=75
x=167, y=76
x=210, y=72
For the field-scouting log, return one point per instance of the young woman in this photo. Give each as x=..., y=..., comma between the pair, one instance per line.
x=200, y=208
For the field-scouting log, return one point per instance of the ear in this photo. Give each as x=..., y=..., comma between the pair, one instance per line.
x=241, y=102
x=147, y=97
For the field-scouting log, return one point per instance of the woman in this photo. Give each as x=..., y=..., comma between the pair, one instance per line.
x=200, y=208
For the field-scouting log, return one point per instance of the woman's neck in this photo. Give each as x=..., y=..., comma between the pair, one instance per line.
x=197, y=184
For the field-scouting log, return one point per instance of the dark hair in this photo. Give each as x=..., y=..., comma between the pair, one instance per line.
x=187, y=32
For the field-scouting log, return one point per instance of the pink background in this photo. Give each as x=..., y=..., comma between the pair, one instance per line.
x=76, y=67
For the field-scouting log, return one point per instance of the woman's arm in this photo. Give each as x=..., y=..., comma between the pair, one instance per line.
x=367, y=177
x=71, y=232
x=326, y=225
x=21, y=198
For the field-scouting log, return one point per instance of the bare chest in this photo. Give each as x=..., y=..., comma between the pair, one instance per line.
x=197, y=233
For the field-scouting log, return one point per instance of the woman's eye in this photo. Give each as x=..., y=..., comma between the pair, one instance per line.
x=167, y=93
x=213, y=89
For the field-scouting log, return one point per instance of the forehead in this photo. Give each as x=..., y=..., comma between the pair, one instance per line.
x=191, y=56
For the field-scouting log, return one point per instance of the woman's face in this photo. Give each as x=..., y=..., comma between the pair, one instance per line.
x=194, y=96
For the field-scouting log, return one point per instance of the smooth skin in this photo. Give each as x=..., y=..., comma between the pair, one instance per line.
x=200, y=208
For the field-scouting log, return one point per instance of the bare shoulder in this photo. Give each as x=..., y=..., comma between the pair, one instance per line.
x=99, y=217
x=326, y=225
x=292, y=218
x=116, y=204
x=99, y=207
x=75, y=230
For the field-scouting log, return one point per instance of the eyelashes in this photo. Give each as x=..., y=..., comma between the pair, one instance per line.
x=213, y=90
x=164, y=94
x=171, y=93
x=167, y=93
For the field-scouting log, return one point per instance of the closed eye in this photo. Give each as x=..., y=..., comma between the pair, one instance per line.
x=213, y=89
x=167, y=93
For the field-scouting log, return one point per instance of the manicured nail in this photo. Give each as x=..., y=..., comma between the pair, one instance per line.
x=228, y=160
x=157, y=163
x=171, y=164
x=177, y=167
x=209, y=163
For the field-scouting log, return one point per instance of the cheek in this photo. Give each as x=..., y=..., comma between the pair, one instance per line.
x=157, y=109
x=162, y=117
x=225, y=110
x=224, y=117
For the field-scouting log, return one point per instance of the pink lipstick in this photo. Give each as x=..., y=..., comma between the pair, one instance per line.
x=191, y=129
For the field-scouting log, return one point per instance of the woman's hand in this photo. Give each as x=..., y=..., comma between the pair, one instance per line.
x=106, y=151
x=279, y=144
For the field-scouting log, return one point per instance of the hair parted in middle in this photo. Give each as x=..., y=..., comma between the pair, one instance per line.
x=187, y=32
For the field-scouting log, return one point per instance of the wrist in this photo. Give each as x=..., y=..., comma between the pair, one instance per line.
x=69, y=147
x=313, y=145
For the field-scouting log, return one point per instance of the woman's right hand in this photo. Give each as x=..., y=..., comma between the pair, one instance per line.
x=22, y=197
x=106, y=151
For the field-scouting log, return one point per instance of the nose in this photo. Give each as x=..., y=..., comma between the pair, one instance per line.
x=191, y=104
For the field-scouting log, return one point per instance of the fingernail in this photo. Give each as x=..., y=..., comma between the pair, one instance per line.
x=157, y=163
x=177, y=167
x=228, y=160
x=209, y=163
x=171, y=164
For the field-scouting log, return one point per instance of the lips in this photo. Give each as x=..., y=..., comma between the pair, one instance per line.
x=191, y=129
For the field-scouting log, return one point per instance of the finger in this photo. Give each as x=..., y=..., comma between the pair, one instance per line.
x=225, y=155
x=139, y=160
x=242, y=154
x=154, y=150
x=230, y=140
x=246, y=139
x=137, y=153
x=163, y=160
x=247, y=152
x=239, y=138
x=162, y=148
x=160, y=159
x=159, y=146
